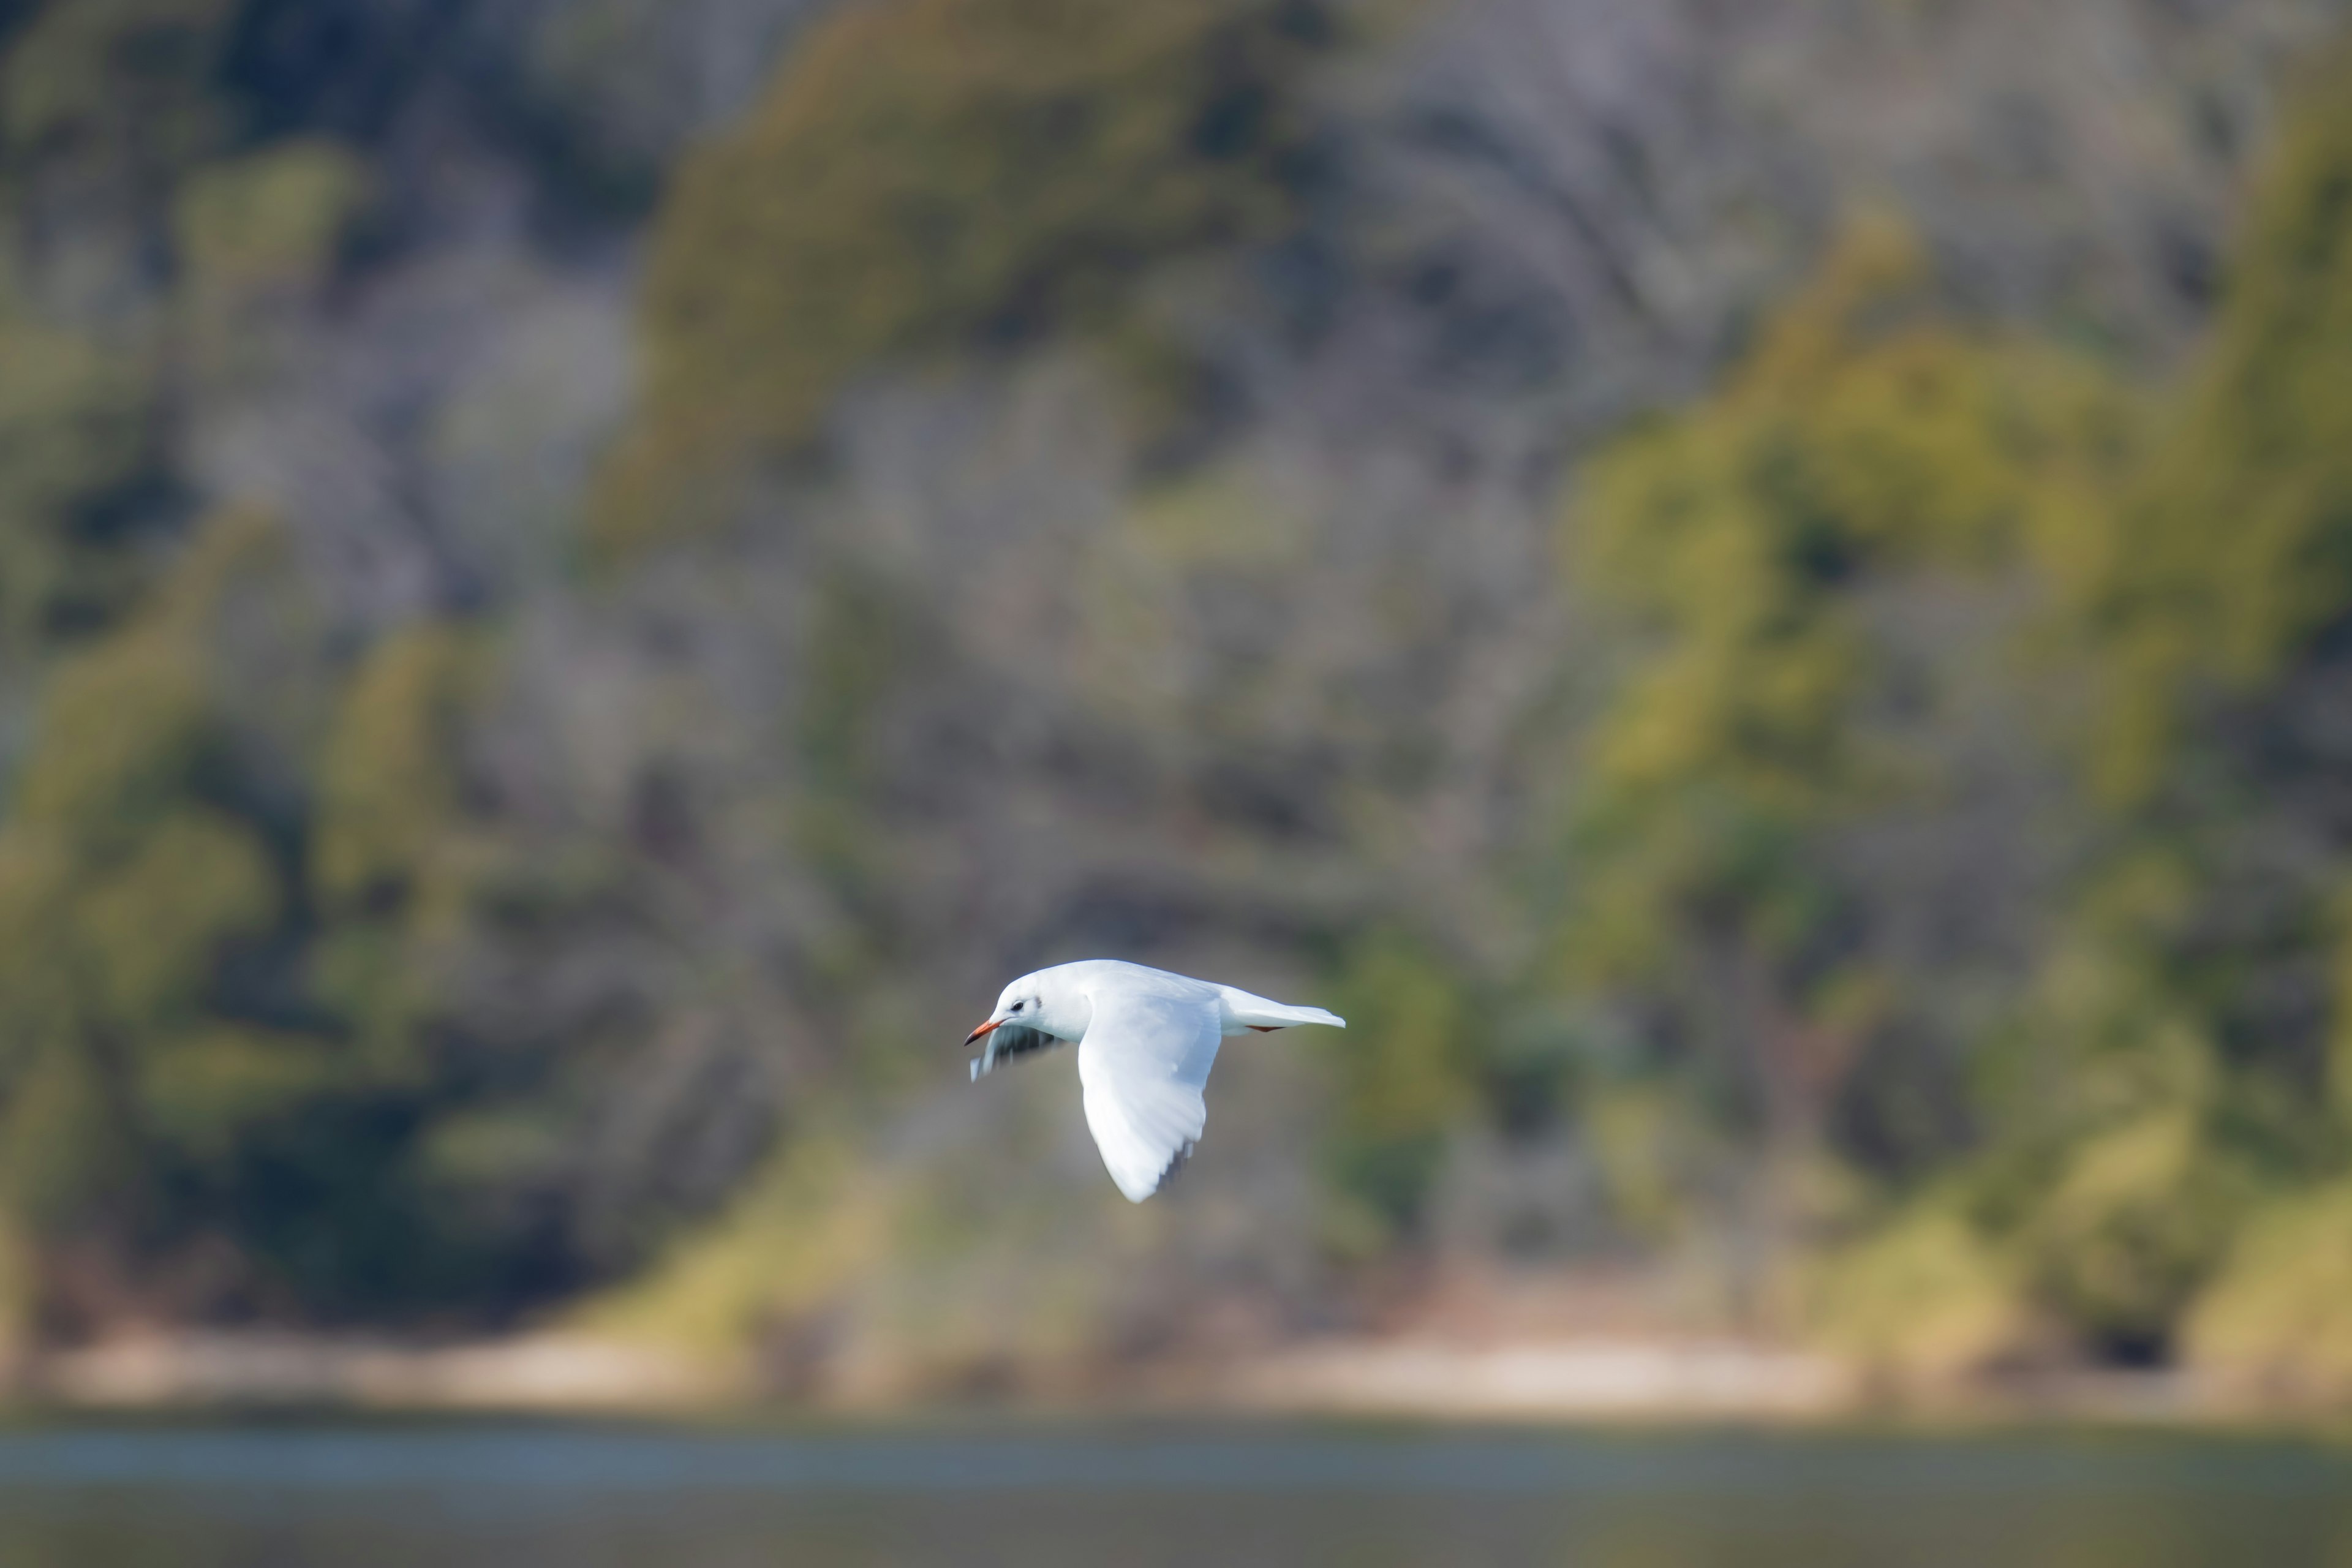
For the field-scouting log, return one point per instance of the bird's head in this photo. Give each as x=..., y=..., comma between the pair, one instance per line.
x=1035, y=1002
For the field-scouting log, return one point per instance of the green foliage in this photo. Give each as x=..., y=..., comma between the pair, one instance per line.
x=1928, y=1296
x=2278, y=1313
x=2240, y=533
x=204, y=1096
x=795, y=1239
x=124, y=735
x=2148, y=1103
x=129, y=878
x=106, y=108
x=127, y=80
x=1748, y=549
x=155, y=923
x=1858, y=444
x=930, y=176
x=76, y=431
x=1642, y=1136
x=256, y=235
x=396, y=869
x=173, y=1073
x=2184, y=575
x=271, y=218
x=2187, y=1101
x=1405, y=1072
x=2132, y=1228
x=387, y=834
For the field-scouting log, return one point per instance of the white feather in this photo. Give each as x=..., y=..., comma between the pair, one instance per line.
x=1143, y=1063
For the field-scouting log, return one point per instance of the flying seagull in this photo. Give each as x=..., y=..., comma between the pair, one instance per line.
x=1146, y=1039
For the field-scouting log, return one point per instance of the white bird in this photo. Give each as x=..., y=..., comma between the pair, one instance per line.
x=1146, y=1039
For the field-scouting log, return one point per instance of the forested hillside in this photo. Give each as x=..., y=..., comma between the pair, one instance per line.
x=1758, y=594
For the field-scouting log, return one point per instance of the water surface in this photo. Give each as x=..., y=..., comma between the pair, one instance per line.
x=508, y=1497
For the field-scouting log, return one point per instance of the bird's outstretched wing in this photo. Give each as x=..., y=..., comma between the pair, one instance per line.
x=1143, y=1063
x=1007, y=1040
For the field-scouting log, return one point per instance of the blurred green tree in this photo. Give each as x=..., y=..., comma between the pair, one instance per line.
x=927, y=177
x=2164, y=1139
x=1755, y=552
x=137, y=882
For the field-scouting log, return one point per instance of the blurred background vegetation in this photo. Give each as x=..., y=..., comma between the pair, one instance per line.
x=1763, y=600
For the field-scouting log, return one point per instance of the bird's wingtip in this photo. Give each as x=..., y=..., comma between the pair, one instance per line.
x=1134, y=1191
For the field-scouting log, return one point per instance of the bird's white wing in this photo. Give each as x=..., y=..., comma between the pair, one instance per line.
x=1143, y=1063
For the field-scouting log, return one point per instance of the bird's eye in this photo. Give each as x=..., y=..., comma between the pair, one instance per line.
x=1016, y=1006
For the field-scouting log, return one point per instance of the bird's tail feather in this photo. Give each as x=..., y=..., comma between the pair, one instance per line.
x=1258, y=1013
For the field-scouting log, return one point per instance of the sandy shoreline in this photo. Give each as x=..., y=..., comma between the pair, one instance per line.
x=1597, y=1380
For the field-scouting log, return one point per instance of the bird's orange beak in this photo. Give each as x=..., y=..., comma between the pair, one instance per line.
x=983, y=1029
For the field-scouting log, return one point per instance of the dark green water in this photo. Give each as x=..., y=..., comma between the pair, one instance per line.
x=477, y=1497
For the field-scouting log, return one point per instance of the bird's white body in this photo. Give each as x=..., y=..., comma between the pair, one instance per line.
x=1147, y=1040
